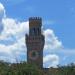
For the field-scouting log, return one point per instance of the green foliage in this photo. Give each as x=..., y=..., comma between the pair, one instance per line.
x=24, y=68
x=63, y=70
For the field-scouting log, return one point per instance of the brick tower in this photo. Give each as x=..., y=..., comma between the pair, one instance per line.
x=35, y=42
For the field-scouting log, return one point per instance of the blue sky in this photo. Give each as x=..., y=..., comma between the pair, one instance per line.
x=58, y=21
x=62, y=13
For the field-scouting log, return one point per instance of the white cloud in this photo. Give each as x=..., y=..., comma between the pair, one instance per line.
x=13, y=28
x=51, y=41
x=52, y=44
x=51, y=60
x=13, y=31
x=49, y=22
x=2, y=15
x=67, y=51
x=2, y=11
x=13, y=51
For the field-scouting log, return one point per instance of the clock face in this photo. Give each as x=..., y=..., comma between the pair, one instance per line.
x=33, y=55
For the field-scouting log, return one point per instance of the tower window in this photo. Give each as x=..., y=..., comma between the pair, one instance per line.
x=38, y=31
x=34, y=30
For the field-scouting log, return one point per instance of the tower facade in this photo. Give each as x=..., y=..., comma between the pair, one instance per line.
x=35, y=42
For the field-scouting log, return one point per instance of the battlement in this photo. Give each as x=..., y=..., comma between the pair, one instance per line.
x=35, y=21
x=35, y=18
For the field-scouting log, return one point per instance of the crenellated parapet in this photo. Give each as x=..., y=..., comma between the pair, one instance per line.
x=35, y=21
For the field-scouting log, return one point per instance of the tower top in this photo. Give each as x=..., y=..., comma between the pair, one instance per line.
x=35, y=21
x=35, y=18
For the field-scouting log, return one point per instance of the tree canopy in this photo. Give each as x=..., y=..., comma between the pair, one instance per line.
x=24, y=68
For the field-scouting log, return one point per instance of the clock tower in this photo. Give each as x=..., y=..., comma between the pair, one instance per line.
x=35, y=42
